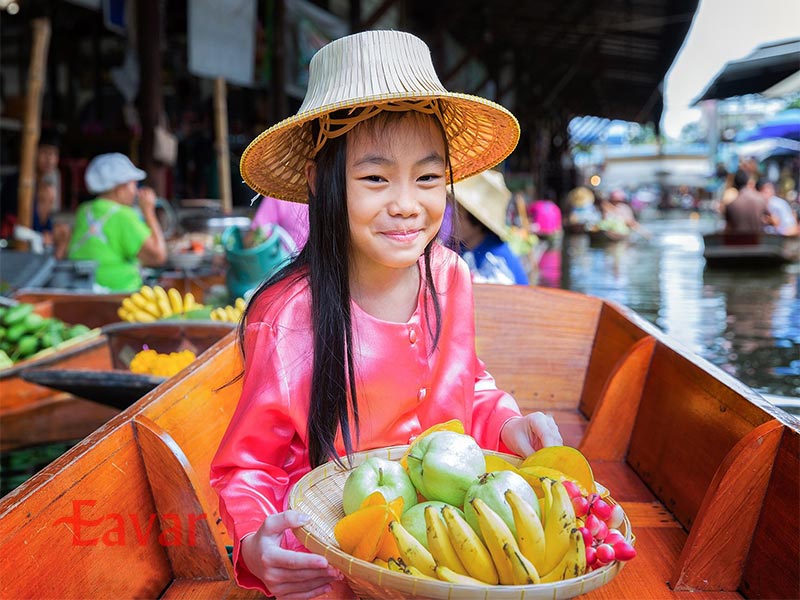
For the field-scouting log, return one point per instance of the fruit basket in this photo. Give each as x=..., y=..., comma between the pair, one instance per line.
x=319, y=495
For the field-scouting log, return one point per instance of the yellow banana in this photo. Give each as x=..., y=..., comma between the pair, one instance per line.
x=144, y=304
x=123, y=314
x=439, y=542
x=381, y=563
x=397, y=565
x=142, y=316
x=415, y=572
x=451, y=576
x=175, y=301
x=572, y=564
x=233, y=314
x=559, y=522
x=148, y=293
x=162, y=301
x=530, y=533
x=547, y=501
x=240, y=304
x=412, y=552
x=189, y=303
x=496, y=534
x=470, y=549
x=522, y=570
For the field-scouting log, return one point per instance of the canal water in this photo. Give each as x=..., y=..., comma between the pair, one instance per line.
x=747, y=322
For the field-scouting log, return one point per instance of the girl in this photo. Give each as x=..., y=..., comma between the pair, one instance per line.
x=367, y=338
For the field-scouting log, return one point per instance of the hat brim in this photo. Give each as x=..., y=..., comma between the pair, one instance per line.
x=480, y=134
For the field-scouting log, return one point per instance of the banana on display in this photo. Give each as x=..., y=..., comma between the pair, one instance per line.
x=413, y=553
x=230, y=314
x=522, y=570
x=573, y=563
x=451, y=576
x=439, y=543
x=150, y=304
x=530, y=533
x=496, y=534
x=470, y=549
x=558, y=523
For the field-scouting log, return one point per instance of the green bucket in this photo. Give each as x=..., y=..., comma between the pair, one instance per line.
x=248, y=267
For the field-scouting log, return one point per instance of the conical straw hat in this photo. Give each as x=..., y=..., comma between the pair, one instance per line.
x=376, y=68
x=486, y=197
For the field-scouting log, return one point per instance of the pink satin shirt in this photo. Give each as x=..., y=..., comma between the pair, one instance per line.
x=403, y=387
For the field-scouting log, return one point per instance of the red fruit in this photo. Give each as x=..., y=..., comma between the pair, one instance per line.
x=613, y=537
x=605, y=553
x=588, y=538
x=602, y=531
x=581, y=505
x=592, y=498
x=624, y=551
x=591, y=555
x=617, y=516
x=592, y=523
x=572, y=489
x=602, y=509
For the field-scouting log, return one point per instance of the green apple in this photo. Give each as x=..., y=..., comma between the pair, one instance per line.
x=491, y=488
x=444, y=464
x=377, y=474
x=414, y=519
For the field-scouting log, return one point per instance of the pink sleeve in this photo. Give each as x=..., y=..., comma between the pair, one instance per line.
x=490, y=410
x=247, y=471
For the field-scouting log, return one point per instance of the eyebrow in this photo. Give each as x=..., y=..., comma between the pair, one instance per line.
x=377, y=159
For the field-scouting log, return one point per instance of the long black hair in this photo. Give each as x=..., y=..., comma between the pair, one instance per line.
x=324, y=261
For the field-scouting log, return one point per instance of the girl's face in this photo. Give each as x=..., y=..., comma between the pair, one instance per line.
x=396, y=191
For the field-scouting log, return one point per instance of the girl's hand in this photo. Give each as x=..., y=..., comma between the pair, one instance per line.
x=286, y=573
x=525, y=435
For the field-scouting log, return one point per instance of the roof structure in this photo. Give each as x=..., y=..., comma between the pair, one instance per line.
x=766, y=66
x=567, y=57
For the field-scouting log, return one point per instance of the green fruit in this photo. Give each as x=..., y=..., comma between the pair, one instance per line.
x=27, y=345
x=5, y=361
x=16, y=314
x=34, y=322
x=77, y=330
x=377, y=474
x=491, y=488
x=444, y=464
x=414, y=519
x=15, y=332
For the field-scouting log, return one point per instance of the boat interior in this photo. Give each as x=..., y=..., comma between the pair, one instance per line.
x=707, y=471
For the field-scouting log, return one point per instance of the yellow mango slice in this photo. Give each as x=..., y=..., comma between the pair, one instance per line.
x=496, y=463
x=568, y=461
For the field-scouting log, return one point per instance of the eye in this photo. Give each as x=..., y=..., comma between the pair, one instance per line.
x=430, y=177
x=373, y=178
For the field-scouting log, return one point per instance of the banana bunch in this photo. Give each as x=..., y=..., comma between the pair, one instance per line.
x=230, y=314
x=154, y=303
x=539, y=552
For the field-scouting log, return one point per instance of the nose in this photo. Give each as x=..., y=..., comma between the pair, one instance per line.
x=404, y=203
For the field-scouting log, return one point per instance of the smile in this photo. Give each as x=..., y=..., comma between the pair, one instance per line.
x=403, y=237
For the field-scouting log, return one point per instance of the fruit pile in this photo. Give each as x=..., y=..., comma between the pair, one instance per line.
x=229, y=314
x=23, y=333
x=155, y=303
x=448, y=513
x=150, y=362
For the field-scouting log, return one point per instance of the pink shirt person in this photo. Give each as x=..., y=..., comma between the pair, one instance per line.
x=292, y=216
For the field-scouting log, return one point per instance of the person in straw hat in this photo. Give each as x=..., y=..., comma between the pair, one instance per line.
x=482, y=229
x=367, y=337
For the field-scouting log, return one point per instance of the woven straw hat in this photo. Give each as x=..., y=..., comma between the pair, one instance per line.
x=376, y=69
x=486, y=197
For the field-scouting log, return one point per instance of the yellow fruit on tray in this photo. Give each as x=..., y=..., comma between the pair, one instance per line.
x=567, y=460
x=151, y=304
x=150, y=362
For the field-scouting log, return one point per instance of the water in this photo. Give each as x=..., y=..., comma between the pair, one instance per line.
x=747, y=322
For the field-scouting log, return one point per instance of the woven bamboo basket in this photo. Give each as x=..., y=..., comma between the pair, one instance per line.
x=319, y=495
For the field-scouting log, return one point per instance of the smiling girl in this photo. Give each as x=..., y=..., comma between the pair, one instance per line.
x=367, y=337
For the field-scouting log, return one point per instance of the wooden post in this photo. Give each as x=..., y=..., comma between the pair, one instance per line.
x=31, y=125
x=221, y=143
x=148, y=37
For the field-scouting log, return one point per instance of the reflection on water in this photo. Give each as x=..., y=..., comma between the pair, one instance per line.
x=747, y=322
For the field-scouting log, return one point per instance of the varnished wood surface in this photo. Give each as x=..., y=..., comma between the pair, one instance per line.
x=536, y=342
x=92, y=310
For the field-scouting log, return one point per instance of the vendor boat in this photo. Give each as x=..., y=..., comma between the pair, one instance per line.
x=745, y=249
x=705, y=468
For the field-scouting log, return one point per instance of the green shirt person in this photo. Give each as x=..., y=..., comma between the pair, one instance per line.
x=109, y=231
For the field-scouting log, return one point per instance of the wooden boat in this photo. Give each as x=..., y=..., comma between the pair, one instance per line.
x=744, y=249
x=705, y=468
x=601, y=238
x=32, y=414
x=92, y=310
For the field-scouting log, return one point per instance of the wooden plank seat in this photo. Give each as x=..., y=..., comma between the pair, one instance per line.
x=678, y=443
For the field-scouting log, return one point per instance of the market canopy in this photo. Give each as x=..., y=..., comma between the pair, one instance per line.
x=766, y=66
x=556, y=58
